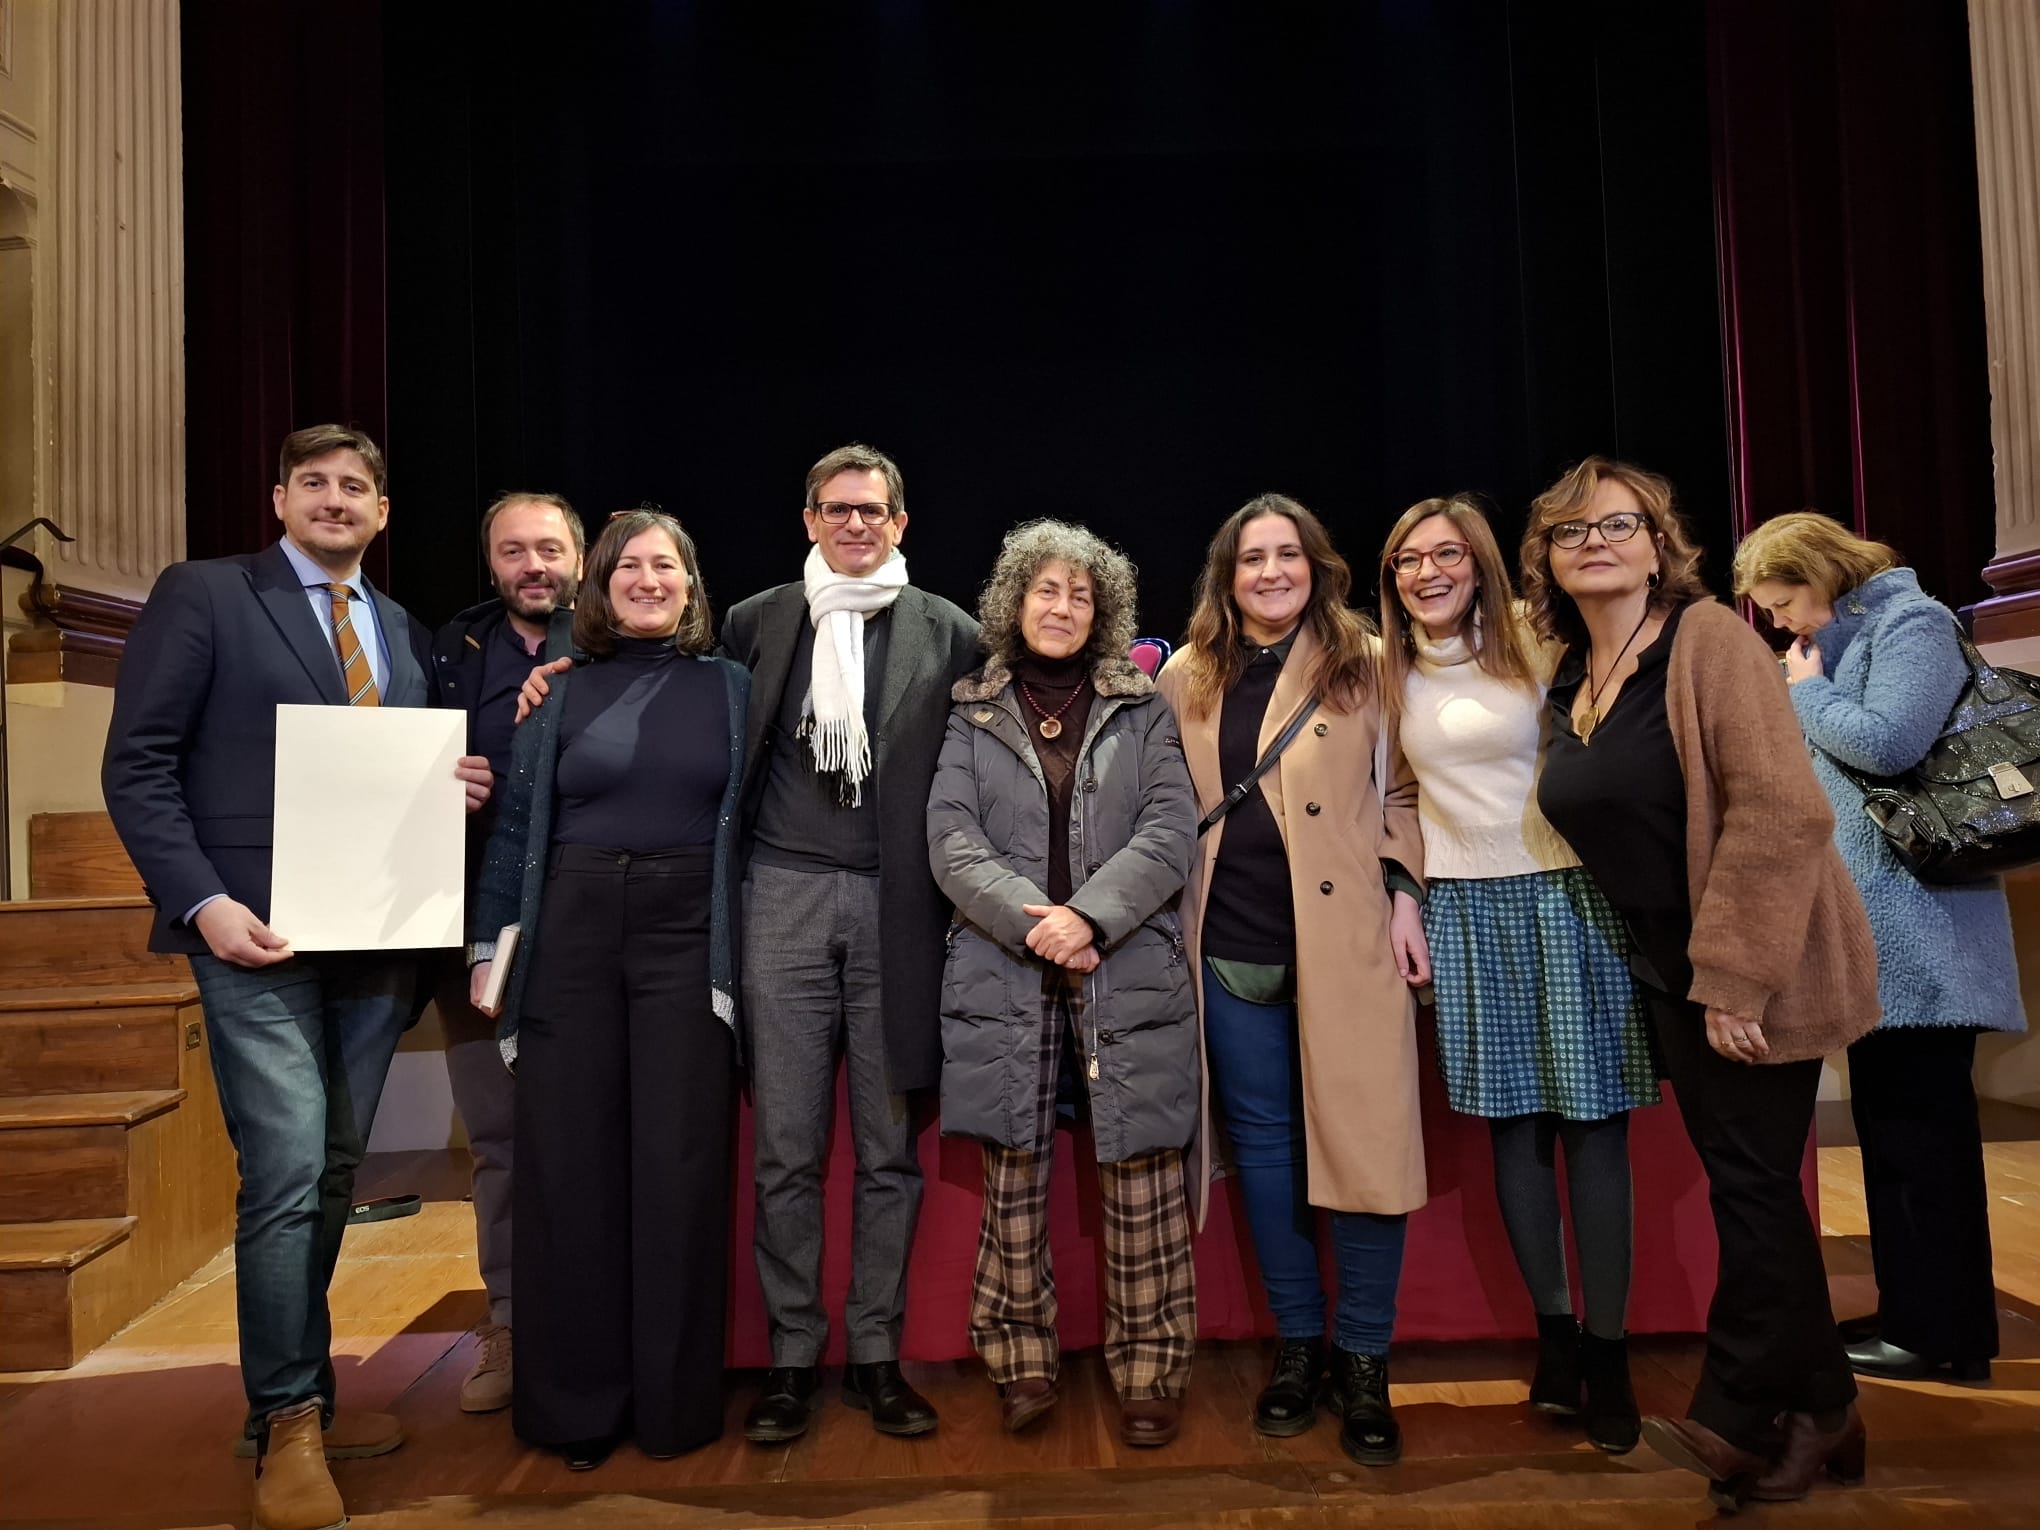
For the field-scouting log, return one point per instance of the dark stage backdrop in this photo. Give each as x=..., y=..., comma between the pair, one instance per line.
x=1128, y=266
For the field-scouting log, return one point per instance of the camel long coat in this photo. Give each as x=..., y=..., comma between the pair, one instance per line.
x=1355, y=1014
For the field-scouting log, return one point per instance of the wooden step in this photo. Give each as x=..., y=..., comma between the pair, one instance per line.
x=59, y=1245
x=87, y=941
x=65, y=1157
x=166, y=1150
x=77, y=855
x=61, y=1289
x=114, y=1036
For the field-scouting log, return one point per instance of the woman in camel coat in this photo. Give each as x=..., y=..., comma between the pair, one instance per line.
x=1303, y=926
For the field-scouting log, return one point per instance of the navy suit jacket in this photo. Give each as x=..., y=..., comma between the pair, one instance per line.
x=190, y=766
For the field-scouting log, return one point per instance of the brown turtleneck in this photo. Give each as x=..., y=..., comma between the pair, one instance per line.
x=1048, y=684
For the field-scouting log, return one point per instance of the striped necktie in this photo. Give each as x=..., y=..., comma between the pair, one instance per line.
x=353, y=657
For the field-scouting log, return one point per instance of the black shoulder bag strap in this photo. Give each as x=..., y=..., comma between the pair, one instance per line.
x=1266, y=763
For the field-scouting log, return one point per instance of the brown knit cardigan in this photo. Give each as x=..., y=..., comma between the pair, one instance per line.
x=1778, y=928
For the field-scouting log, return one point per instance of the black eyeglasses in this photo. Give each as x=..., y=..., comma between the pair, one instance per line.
x=1444, y=555
x=1619, y=527
x=836, y=513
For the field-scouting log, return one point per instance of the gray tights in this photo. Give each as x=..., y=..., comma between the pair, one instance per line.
x=1597, y=1185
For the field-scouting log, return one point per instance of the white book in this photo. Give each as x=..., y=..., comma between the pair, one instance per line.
x=499, y=967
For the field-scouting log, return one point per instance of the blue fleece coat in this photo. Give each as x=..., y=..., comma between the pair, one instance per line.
x=1893, y=668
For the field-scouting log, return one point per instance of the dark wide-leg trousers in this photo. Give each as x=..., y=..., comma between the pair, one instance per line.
x=624, y=1108
x=1911, y=1093
x=1771, y=1340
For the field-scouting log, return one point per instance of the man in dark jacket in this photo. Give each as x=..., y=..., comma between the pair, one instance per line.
x=851, y=668
x=300, y=1042
x=533, y=544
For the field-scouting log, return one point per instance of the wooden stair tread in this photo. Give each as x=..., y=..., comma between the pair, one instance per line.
x=57, y=905
x=60, y=1245
x=124, y=1107
x=165, y=990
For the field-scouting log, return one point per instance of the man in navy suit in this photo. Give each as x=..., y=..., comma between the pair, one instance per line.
x=300, y=1044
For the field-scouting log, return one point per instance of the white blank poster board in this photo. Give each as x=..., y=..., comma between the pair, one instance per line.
x=370, y=828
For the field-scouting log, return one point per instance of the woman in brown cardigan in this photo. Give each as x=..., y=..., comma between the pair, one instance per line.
x=1675, y=770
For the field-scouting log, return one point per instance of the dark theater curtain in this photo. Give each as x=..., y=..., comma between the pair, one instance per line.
x=1127, y=264
x=1851, y=270
x=283, y=252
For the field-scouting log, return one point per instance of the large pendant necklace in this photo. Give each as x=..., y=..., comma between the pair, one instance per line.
x=1050, y=725
x=1590, y=719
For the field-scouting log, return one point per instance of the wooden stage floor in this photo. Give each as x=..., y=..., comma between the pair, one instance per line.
x=138, y=1434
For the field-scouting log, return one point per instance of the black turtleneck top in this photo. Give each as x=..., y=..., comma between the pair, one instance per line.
x=1060, y=688
x=644, y=750
x=1249, y=911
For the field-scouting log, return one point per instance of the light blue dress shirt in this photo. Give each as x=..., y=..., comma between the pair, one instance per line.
x=367, y=629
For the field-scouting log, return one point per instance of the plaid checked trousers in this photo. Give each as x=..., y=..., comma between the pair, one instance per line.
x=1150, y=1280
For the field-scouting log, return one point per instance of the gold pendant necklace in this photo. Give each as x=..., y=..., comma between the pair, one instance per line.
x=1590, y=719
x=1050, y=725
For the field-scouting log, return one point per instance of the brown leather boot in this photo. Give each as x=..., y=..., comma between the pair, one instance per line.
x=293, y=1488
x=1731, y=1471
x=1842, y=1452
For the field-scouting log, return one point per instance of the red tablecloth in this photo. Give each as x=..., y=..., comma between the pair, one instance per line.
x=1459, y=1278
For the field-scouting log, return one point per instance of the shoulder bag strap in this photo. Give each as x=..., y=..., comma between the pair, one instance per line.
x=1283, y=740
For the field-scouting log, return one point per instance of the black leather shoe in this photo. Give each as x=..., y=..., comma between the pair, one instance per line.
x=1556, y=1386
x=1878, y=1358
x=1288, y=1403
x=880, y=1389
x=781, y=1411
x=1860, y=1330
x=1368, y=1431
x=586, y=1455
x=1611, y=1417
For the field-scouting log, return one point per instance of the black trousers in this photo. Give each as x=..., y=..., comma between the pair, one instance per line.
x=625, y=1097
x=1915, y=1109
x=1771, y=1340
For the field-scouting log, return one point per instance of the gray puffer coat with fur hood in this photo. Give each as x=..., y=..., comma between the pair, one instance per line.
x=1133, y=823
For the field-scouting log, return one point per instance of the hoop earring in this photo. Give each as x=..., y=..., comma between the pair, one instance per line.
x=1654, y=580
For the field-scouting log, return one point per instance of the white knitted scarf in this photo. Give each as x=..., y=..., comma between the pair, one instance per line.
x=832, y=716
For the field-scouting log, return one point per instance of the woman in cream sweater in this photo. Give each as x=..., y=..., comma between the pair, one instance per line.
x=1539, y=1026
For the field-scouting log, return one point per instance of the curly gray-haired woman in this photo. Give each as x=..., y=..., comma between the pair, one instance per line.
x=1061, y=825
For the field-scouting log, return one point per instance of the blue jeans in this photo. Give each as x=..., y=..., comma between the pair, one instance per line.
x=1257, y=1077
x=299, y=1052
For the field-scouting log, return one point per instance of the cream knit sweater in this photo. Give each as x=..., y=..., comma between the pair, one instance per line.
x=1474, y=743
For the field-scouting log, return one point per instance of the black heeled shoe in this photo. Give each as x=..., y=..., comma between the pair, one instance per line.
x=1611, y=1417
x=586, y=1455
x=1288, y=1403
x=1556, y=1386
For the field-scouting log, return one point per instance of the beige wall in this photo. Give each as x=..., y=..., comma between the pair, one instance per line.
x=91, y=343
x=2004, y=54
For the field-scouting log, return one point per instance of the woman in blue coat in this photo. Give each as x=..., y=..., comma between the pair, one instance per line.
x=1875, y=668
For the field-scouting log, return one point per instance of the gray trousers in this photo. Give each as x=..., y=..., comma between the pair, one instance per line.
x=484, y=1096
x=810, y=995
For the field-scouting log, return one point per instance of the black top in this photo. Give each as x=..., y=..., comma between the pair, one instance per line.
x=644, y=751
x=1060, y=688
x=1620, y=802
x=492, y=710
x=1249, y=914
x=802, y=822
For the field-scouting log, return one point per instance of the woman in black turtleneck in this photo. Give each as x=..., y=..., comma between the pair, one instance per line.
x=612, y=852
x=1061, y=825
